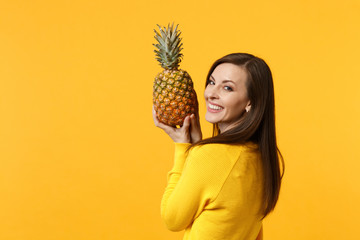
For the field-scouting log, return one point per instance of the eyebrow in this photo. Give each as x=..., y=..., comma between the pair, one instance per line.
x=224, y=81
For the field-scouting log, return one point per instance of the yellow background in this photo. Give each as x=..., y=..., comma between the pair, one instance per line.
x=80, y=157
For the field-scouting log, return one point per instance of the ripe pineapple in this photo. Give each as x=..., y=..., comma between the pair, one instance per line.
x=173, y=94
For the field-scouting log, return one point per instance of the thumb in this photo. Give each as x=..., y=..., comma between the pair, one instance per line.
x=185, y=129
x=186, y=124
x=184, y=134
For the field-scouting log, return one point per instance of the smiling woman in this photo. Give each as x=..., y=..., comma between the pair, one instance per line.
x=224, y=186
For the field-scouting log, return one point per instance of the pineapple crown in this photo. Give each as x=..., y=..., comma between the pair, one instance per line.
x=168, y=47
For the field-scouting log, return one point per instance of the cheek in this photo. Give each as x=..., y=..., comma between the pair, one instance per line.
x=206, y=93
x=236, y=107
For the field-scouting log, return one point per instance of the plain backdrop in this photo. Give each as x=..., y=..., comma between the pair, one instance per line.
x=80, y=157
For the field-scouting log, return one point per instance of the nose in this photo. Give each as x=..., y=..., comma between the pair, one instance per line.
x=211, y=92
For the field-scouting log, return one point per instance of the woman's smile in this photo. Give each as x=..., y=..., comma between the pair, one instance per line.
x=214, y=108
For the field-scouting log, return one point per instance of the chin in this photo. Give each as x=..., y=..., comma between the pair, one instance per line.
x=211, y=119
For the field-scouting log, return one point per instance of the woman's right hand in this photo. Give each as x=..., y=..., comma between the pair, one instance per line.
x=190, y=131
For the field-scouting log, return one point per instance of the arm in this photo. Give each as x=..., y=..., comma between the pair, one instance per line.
x=187, y=193
x=173, y=178
x=190, y=132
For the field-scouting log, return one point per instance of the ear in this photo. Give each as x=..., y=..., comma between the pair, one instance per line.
x=248, y=106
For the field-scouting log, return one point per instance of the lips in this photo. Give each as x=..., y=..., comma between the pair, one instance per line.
x=214, y=108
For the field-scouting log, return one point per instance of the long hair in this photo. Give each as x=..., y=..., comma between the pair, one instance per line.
x=257, y=125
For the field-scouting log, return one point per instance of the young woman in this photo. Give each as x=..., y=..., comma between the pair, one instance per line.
x=224, y=186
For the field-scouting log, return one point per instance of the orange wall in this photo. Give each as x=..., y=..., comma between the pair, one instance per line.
x=80, y=157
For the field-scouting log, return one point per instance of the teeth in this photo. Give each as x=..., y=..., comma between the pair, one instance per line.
x=214, y=107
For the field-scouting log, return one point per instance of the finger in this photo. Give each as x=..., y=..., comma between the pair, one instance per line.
x=156, y=121
x=196, y=134
x=166, y=128
x=184, y=133
x=186, y=123
x=193, y=120
x=161, y=125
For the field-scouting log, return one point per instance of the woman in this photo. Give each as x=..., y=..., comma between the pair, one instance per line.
x=222, y=187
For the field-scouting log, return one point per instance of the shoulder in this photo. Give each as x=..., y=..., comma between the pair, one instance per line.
x=214, y=162
x=227, y=149
x=216, y=152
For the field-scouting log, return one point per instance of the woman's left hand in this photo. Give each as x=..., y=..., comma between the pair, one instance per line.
x=178, y=135
x=190, y=131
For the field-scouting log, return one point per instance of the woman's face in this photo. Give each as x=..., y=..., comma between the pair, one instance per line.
x=226, y=96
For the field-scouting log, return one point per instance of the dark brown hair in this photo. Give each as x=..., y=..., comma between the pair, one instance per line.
x=257, y=125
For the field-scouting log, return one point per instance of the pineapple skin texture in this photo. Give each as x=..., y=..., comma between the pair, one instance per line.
x=174, y=97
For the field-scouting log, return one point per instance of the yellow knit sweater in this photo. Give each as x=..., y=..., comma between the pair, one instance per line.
x=214, y=192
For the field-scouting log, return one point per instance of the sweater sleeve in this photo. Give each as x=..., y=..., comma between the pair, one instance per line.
x=194, y=181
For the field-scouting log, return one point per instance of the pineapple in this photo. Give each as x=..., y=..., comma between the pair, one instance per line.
x=173, y=94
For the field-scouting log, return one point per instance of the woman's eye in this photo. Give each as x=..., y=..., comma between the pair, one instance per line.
x=227, y=88
x=211, y=82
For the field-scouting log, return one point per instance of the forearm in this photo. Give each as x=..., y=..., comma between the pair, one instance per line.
x=172, y=180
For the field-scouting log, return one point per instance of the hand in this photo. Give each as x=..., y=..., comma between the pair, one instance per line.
x=189, y=132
